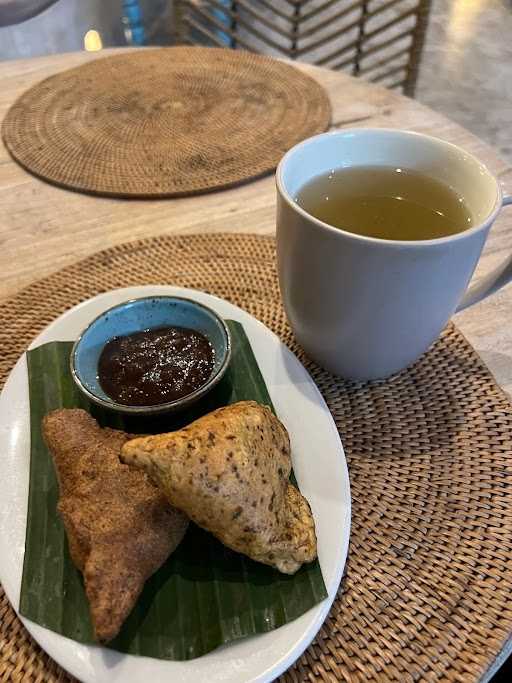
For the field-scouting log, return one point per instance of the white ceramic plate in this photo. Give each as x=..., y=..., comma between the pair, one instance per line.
x=319, y=465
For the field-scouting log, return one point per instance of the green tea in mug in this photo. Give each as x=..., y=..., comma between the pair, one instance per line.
x=385, y=202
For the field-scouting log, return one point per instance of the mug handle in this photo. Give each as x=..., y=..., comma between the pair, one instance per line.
x=495, y=280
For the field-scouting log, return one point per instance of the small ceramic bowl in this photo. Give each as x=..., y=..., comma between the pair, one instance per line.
x=142, y=314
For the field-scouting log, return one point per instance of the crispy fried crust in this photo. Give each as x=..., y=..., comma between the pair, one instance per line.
x=228, y=471
x=120, y=527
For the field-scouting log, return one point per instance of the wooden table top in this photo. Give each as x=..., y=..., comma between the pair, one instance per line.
x=43, y=228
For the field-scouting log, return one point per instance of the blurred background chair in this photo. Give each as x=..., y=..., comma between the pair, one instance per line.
x=380, y=40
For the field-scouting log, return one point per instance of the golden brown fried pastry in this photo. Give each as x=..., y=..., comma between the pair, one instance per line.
x=120, y=527
x=228, y=471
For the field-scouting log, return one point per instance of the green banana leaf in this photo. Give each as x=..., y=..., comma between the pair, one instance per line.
x=205, y=595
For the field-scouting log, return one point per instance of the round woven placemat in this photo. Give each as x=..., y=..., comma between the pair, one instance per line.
x=426, y=594
x=158, y=123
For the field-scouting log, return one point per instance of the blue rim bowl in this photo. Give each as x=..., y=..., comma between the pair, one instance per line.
x=142, y=314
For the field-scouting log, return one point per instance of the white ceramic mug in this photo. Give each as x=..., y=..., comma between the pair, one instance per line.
x=365, y=308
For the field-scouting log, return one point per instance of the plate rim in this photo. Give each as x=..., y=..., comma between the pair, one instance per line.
x=299, y=644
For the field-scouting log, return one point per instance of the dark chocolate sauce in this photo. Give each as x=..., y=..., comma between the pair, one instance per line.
x=155, y=366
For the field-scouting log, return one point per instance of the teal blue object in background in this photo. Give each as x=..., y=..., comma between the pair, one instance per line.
x=132, y=18
x=224, y=18
x=136, y=21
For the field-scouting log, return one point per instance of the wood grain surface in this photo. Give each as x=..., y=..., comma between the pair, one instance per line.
x=43, y=228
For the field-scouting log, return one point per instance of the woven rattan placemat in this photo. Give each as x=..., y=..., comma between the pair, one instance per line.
x=427, y=589
x=158, y=123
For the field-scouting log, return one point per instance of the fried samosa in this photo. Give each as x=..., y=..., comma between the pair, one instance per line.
x=120, y=527
x=228, y=471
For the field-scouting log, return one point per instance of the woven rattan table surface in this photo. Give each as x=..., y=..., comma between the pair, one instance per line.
x=43, y=228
